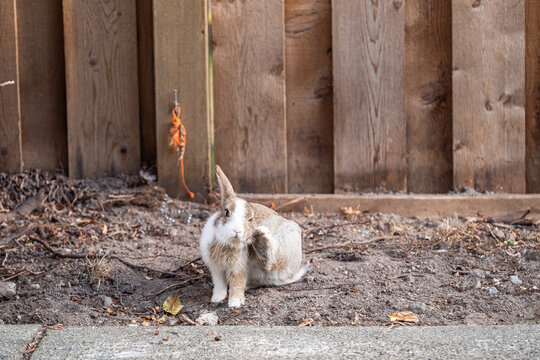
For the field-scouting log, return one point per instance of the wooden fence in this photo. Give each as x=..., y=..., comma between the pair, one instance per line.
x=309, y=96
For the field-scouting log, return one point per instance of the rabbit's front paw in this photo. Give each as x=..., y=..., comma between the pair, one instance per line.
x=219, y=295
x=235, y=302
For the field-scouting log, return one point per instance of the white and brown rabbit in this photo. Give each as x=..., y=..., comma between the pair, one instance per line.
x=247, y=244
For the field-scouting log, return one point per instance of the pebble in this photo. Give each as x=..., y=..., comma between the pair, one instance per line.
x=35, y=286
x=173, y=321
x=210, y=318
x=310, y=279
x=478, y=273
x=408, y=278
x=493, y=291
x=7, y=290
x=107, y=301
x=511, y=238
x=418, y=307
x=173, y=232
x=515, y=280
x=498, y=233
x=478, y=284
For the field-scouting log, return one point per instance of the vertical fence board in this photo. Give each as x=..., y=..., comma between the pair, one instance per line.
x=428, y=102
x=308, y=65
x=147, y=100
x=181, y=62
x=10, y=141
x=533, y=96
x=488, y=95
x=249, y=93
x=101, y=85
x=369, y=120
x=42, y=87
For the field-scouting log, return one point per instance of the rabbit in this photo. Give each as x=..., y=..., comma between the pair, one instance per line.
x=248, y=244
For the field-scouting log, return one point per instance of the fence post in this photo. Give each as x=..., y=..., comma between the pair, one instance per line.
x=369, y=113
x=42, y=85
x=10, y=137
x=101, y=86
x=249, y=93
x=308, y=68
x=533, y=96
x=428, y=99
x=488, y=95
x=181, y=62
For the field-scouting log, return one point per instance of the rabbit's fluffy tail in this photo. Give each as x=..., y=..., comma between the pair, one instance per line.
x=296, y=277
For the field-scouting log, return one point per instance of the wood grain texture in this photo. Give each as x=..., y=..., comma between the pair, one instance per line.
x=101, y=86
x=428, y=89
x=147, y=99
x=503, y=205
x=181, y=62
x=488, y=95
x=10, y=141
x=249, y=93
x=369, y=116
x=533, y=96
x=42, y=85
x=308, y=65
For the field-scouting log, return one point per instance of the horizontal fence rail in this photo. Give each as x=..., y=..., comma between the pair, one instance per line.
x=307, y=96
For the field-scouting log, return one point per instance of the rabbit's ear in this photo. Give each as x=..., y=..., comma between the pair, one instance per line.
x=225, y=186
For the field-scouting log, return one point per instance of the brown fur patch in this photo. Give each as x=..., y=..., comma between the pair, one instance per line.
x=266, y=257
x=237, y=284
x=226, y=255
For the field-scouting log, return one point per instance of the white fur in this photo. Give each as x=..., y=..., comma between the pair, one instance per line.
x=208, y=234
x=225, y=232
x=214, y=230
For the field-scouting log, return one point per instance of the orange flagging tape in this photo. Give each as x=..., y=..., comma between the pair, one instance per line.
x=177, y=140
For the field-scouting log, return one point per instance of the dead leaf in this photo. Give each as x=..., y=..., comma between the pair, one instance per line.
x=306, y=322
x=404, y=316
x=172, y=305
x=350, y=213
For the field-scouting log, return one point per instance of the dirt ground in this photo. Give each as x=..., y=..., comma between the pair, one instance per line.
x=107, y=252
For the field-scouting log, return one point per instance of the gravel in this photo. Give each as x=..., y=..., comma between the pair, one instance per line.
x=515, y=280
x=493, y=291
x=478, y=273
x=7, y=290
x=418, y=307
x=210, y=319
x=107, y=301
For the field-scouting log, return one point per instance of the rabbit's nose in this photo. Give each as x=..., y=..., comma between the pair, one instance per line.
x=236, y=231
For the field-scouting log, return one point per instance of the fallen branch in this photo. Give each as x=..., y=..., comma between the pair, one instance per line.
x=183, y=267
x=95, y=256
x=189, y=321
x=26, y=207
x=16, y=275
x=386, y=330
x=291, y=202
x=174, y=286
x=349, y=245
x=521, y=220
x=320, y=228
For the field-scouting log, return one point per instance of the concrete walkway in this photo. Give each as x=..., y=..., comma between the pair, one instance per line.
x=127, y=342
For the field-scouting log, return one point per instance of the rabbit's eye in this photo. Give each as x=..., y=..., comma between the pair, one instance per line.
x=227, y=213
x=250, y=219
